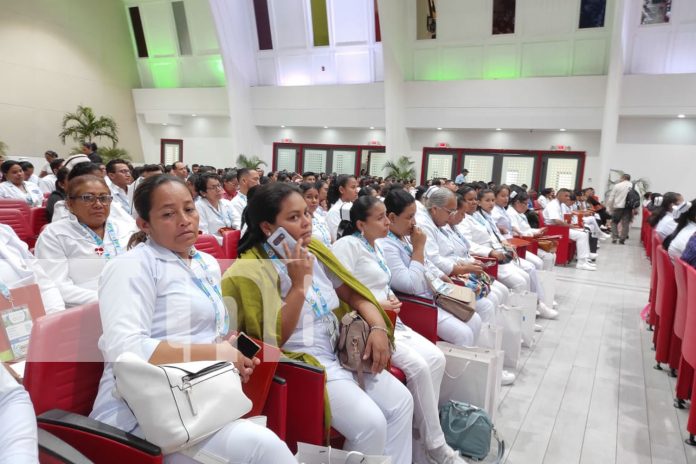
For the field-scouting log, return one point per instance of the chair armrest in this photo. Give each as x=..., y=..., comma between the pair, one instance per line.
x=52, y=448
x=276, y=407
x=491, y=270
x=97, y=440
x=419, y=314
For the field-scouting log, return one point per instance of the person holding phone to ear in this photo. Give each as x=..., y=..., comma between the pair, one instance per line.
x=289, y=289
x=161, y=300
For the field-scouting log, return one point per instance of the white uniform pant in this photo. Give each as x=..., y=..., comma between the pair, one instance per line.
x=457, y=332
x=548, y=260
x=534, y=283
x=590, y=223
x=582, y=244
x=18, y=443
x=423, y=363
x=241, y=441
x=513, y=277
x=378, y=420
x=499, y=293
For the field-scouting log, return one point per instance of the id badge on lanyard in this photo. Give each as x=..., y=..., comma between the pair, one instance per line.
x=16, y=322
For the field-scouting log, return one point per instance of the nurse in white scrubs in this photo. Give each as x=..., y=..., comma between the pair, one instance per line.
x=18, y=268
x=320, y=230
x=214, y=211
x=662, y=217
x=18, y=435
x=343, y=191
x=162, y=301
x=73, y=251
x=520, y=226
x=16, y=188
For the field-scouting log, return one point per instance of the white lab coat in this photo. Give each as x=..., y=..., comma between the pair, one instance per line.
x=18, y=268
x=33, y=195
x=121, y=197
x=502, y=219
x=320, y=230
x=333, y=217
x=18, y=435
x=554, y=212
x=116, y=214
x=211, y=219
x=146, y=296
x=520, y=225
x=47, y=183
x=70, y=256
x=666, y=226
x=238, y=203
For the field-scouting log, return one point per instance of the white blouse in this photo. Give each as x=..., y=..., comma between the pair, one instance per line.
x=33, y=195
x=364, y=264
x=501, y=219
x=333, y=217
x=238, y=203
x=212, y=219
x=74, y=259
x=666, y=226
x=520, y=223
x=408, y=276
x=47, y=183
x=677, y=246
x=553, y=211
x=18, y=268
x=320, y=230
x=148, y=295
x=18, y=435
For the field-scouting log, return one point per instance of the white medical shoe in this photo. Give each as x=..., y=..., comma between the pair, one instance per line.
x=555, y=304
x=508, y=378
x=586, y=266
x=593, y=255
x=546, y=312
x=538, y=328
x=444, y=455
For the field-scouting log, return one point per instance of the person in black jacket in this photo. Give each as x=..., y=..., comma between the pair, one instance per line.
x=90, y=149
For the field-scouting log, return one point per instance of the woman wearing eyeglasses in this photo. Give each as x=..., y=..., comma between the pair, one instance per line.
x=214, y=211
x=74, y=250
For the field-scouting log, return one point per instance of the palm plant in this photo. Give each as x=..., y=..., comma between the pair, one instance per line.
x=642, y=185
x=249, y=162
x=3, y=149
x=107, y=154
x=84, y=126
x=401, y=170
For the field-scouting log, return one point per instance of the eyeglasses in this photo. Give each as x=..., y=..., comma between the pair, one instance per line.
x=123, y=171
x=92, y=199
x=215, y=187
x=451, y=212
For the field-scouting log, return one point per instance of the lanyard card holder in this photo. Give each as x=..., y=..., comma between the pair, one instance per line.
x=16, y=319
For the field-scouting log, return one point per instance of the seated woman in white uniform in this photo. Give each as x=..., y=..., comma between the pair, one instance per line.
x=320, y=231
x=343, y=191
x=685, y=215
x=553, y=215
x=420, y=360
x=516, y=273
x=662, y=217
x=214, y=211
x=14, y=187
x=404, y=253
x=519, y=204
x=589, y=221
x=18, y=268
x=292, y=303
x=18, y=434
x=73, y=251
x=161, y=300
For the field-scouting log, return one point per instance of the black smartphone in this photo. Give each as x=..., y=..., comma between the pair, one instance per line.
x=246, y=345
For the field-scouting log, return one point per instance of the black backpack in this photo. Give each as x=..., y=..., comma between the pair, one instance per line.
x=632, y=199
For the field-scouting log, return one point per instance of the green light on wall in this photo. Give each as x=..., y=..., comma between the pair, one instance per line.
x=501, y=71
x=165, y=73
x=218, y=72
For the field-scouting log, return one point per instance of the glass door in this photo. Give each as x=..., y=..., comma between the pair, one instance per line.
x=560, y=173
x=376, y=164
x=517, y=170
x=480, y=167
x=343, y=161
x=314, y=160
x=439, y=165
x=286, y=159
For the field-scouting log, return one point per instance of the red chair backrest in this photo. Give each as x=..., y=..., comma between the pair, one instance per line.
x=655, y=244
x=19, y=223
x=38, y=219
x=680, y=311
x=209, y=244
x=230, y=243
x=540, y=213
x=666, y=284
x=64, y=363
x=689, y=339
x=21, y=205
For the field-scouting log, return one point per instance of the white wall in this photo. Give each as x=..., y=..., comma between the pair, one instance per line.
x=57, y=55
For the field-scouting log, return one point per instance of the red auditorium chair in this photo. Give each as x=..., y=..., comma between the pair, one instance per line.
x=685, y=372
x=21, y=205
x=64, y=356
x=689, y=347
x=653, y=319
x=210, y=245
x=19, y=223
x=665, y=301
x=420, y=314
x=53, y=450
x=230, y=243
x=37, y=219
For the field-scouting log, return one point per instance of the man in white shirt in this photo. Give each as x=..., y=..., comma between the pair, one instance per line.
x=553, y=215
x=49, y=156
x=179, y=169
x=120, y=175
x=247, y=179
x=47, y=183
x=621, y=212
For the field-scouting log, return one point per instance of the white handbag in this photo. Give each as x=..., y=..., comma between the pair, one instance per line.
x=178, y=405
x=472, y=375
x=527, y=303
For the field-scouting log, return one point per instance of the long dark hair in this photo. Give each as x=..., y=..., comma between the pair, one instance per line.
x=669, y=199
x=480, y=196
x=334, y=194
x=683, y=221
x=358, y=212
x=142, y=201
x=397, y=200
x=264, y=205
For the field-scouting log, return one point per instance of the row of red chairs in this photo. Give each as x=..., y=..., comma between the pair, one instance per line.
x=672, y=317
x=25, y=221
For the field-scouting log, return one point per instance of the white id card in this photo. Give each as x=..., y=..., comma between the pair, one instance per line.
x=17, y=325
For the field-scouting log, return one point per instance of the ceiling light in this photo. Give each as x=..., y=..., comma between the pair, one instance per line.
x=439, y=128
x=164, y=123
x=498, y=129
x=194, y=115
x=283, y=126
x=372, y=127
x=563, y=130
x=326, y=127
x=681, y=116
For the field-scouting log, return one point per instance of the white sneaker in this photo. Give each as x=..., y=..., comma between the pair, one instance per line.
x=555, y=304
x=605, y=236
x=538, y=328
x=546, y=312
x=508, y=378
x=593, y=255
x=586, y=266
x=444, y=455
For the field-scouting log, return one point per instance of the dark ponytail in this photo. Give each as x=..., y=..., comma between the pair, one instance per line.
x=334, y=193
x=264, y=205
x=669, y=199
x=684, y=219
x=397, y=200
x=142, y=201
x=358, y=212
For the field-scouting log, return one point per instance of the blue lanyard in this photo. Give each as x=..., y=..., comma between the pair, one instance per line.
x=323, y=230
x=376, y=252
x=5, y=290
x=406, y=246
x=461, y=239
x=487, y=222
x=123, y=201
x=222, y=318
x=228, y=216
x=101, y=249
x=278, y=264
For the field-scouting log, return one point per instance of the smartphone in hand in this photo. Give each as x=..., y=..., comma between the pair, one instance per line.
x=277, y=239
x=246, y=345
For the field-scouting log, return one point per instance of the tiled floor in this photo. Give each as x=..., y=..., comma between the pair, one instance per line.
x=587, y=392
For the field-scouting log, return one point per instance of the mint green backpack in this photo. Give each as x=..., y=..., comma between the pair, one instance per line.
x=468, y=430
